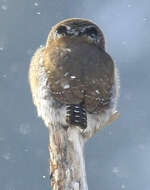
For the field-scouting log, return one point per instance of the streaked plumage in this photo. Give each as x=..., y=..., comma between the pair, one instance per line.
x=73, y=69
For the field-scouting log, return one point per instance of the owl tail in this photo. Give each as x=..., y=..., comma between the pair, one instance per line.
x=76, y=115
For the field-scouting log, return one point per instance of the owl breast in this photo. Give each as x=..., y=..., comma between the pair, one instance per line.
x=78, y=72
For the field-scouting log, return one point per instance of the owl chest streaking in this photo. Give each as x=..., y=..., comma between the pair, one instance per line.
x=73, y=80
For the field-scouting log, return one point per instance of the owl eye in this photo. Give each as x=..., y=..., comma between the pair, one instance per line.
x=62, y=30
x=91, y=31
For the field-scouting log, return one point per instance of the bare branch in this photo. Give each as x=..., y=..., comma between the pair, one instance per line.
x=67, y=165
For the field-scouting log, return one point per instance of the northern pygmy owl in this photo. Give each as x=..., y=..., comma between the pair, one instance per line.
x=74, y=82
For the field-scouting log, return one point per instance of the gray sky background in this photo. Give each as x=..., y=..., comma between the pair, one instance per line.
x=118, y=157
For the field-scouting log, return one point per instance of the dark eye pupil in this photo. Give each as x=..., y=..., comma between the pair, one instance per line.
x=61, y=30
x=91, y=31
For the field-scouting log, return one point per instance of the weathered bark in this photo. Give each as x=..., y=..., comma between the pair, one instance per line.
x=67, y=165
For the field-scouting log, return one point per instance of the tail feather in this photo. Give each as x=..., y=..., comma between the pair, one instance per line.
x=76, y=115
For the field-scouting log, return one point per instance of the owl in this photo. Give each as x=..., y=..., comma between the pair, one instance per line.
x=74, y=81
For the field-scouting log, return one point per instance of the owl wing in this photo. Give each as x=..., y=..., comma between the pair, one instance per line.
x=80, y=73
x=35, y=72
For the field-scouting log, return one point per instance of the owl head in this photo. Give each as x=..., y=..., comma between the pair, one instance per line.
x=78, y=28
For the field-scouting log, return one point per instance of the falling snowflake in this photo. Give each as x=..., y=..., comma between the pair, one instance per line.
x=4, y=76
x=36, y=4
x=66, y=86
x=6, y=156
x=97, y=91
x=116, y=171
x=2, y=139
x=24, y=129
x=66, y=74
x=145, y=19
x=123, y=186
x=4, y=7
x=124, y=43
x=38, y=13
x=141, y=146
x=129, y=5
x=73, y=77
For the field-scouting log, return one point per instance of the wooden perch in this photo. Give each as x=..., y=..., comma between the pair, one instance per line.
x=67, y=164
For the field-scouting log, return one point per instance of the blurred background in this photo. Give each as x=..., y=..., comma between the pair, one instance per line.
x=118, y=157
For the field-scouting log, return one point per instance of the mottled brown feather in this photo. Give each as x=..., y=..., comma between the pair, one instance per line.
x=79, y=72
